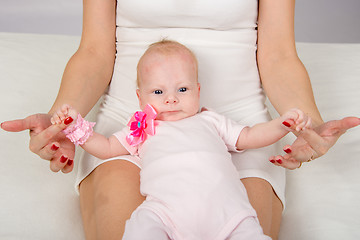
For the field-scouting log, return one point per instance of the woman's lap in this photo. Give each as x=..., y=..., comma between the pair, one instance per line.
x=108, y=196
x=111, y=193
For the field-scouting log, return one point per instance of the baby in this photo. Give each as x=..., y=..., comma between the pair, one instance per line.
x=192, y=188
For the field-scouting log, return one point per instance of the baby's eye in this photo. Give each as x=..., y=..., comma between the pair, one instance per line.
x=183, y=89
x=158, y=92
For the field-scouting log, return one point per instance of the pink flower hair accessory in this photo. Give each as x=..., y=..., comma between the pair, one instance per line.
x=79, y=132
x=141, y=124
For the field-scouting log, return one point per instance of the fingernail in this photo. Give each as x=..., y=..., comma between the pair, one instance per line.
x=54, y=147
x=70, y=162
x=286, y=124
x=279, y=161
x=68, y=120
x=288, y=150
x=63, y=159
x=272, y=161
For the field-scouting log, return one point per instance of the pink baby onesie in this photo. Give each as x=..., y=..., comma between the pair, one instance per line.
x=189, y=180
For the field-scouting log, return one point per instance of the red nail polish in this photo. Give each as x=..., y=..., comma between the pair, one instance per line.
x=288, y=150
x=279, y=161
x=286, y=124
x=63, y=159
x=70, y=162
x=68, y=120
x=54, y=147
x=272, y=161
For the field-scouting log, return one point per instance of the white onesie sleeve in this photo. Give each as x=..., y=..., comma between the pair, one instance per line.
x=121, y=136
x=228, y=129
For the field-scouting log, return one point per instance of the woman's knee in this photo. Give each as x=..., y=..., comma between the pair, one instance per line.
x=108, y=196
x=121, y=170
x=118, y=179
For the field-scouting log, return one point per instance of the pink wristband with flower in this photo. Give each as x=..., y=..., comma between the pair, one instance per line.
x=79, y=132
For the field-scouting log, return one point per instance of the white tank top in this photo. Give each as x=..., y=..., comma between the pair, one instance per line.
x=223, y=36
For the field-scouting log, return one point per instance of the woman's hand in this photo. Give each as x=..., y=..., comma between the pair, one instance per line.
x=313, y=143
x=46, y=140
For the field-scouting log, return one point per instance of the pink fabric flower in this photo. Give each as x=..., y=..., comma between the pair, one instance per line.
x=141, y=124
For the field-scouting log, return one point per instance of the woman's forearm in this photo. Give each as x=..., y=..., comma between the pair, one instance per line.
x=89, y=71
x=287, y=86
x=283, y=76
x=85, y=78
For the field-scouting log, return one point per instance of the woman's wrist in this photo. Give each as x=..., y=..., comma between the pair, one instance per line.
x=317, y=122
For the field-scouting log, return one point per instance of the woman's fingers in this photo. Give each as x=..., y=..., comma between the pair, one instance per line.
x=300, y=151
x=63, y=159
x=39, y=142
x=68, y=167
x=46, y=140
x=338, y=127
x=16, y=125
x=59, y=162
x=49, y=151
x=284, y=162
x=324, y=137
x=313, y=143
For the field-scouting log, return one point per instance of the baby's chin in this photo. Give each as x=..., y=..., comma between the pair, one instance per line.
x=173, y=116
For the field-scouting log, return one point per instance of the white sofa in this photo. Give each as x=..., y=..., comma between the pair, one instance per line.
x=323, y=197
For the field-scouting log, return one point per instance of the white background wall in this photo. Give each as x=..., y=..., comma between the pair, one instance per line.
x=315, y=20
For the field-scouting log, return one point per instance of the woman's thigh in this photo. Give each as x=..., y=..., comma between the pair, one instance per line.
x=266, y=204
x=108, y=196
x=265, y=186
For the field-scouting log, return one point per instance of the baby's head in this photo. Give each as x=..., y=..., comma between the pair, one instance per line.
x=167, y=80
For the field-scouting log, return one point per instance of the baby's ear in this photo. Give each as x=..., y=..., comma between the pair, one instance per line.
x=138, y=95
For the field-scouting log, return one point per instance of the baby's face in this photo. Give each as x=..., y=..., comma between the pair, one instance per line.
x=169, y=84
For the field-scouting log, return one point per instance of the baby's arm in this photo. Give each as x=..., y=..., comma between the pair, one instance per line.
x=102, y=147
x=264, y=134
x=97, y=144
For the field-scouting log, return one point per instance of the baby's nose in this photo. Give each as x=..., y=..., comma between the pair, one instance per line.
x=171, y=100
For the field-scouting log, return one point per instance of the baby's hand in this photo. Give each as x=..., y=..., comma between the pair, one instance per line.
x=295, y=119
x=64, y=113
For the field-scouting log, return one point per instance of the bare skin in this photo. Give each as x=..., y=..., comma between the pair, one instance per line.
x=267, y=204
x=108, y=197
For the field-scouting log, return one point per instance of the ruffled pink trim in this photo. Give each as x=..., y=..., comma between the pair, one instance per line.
x=79, y=132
